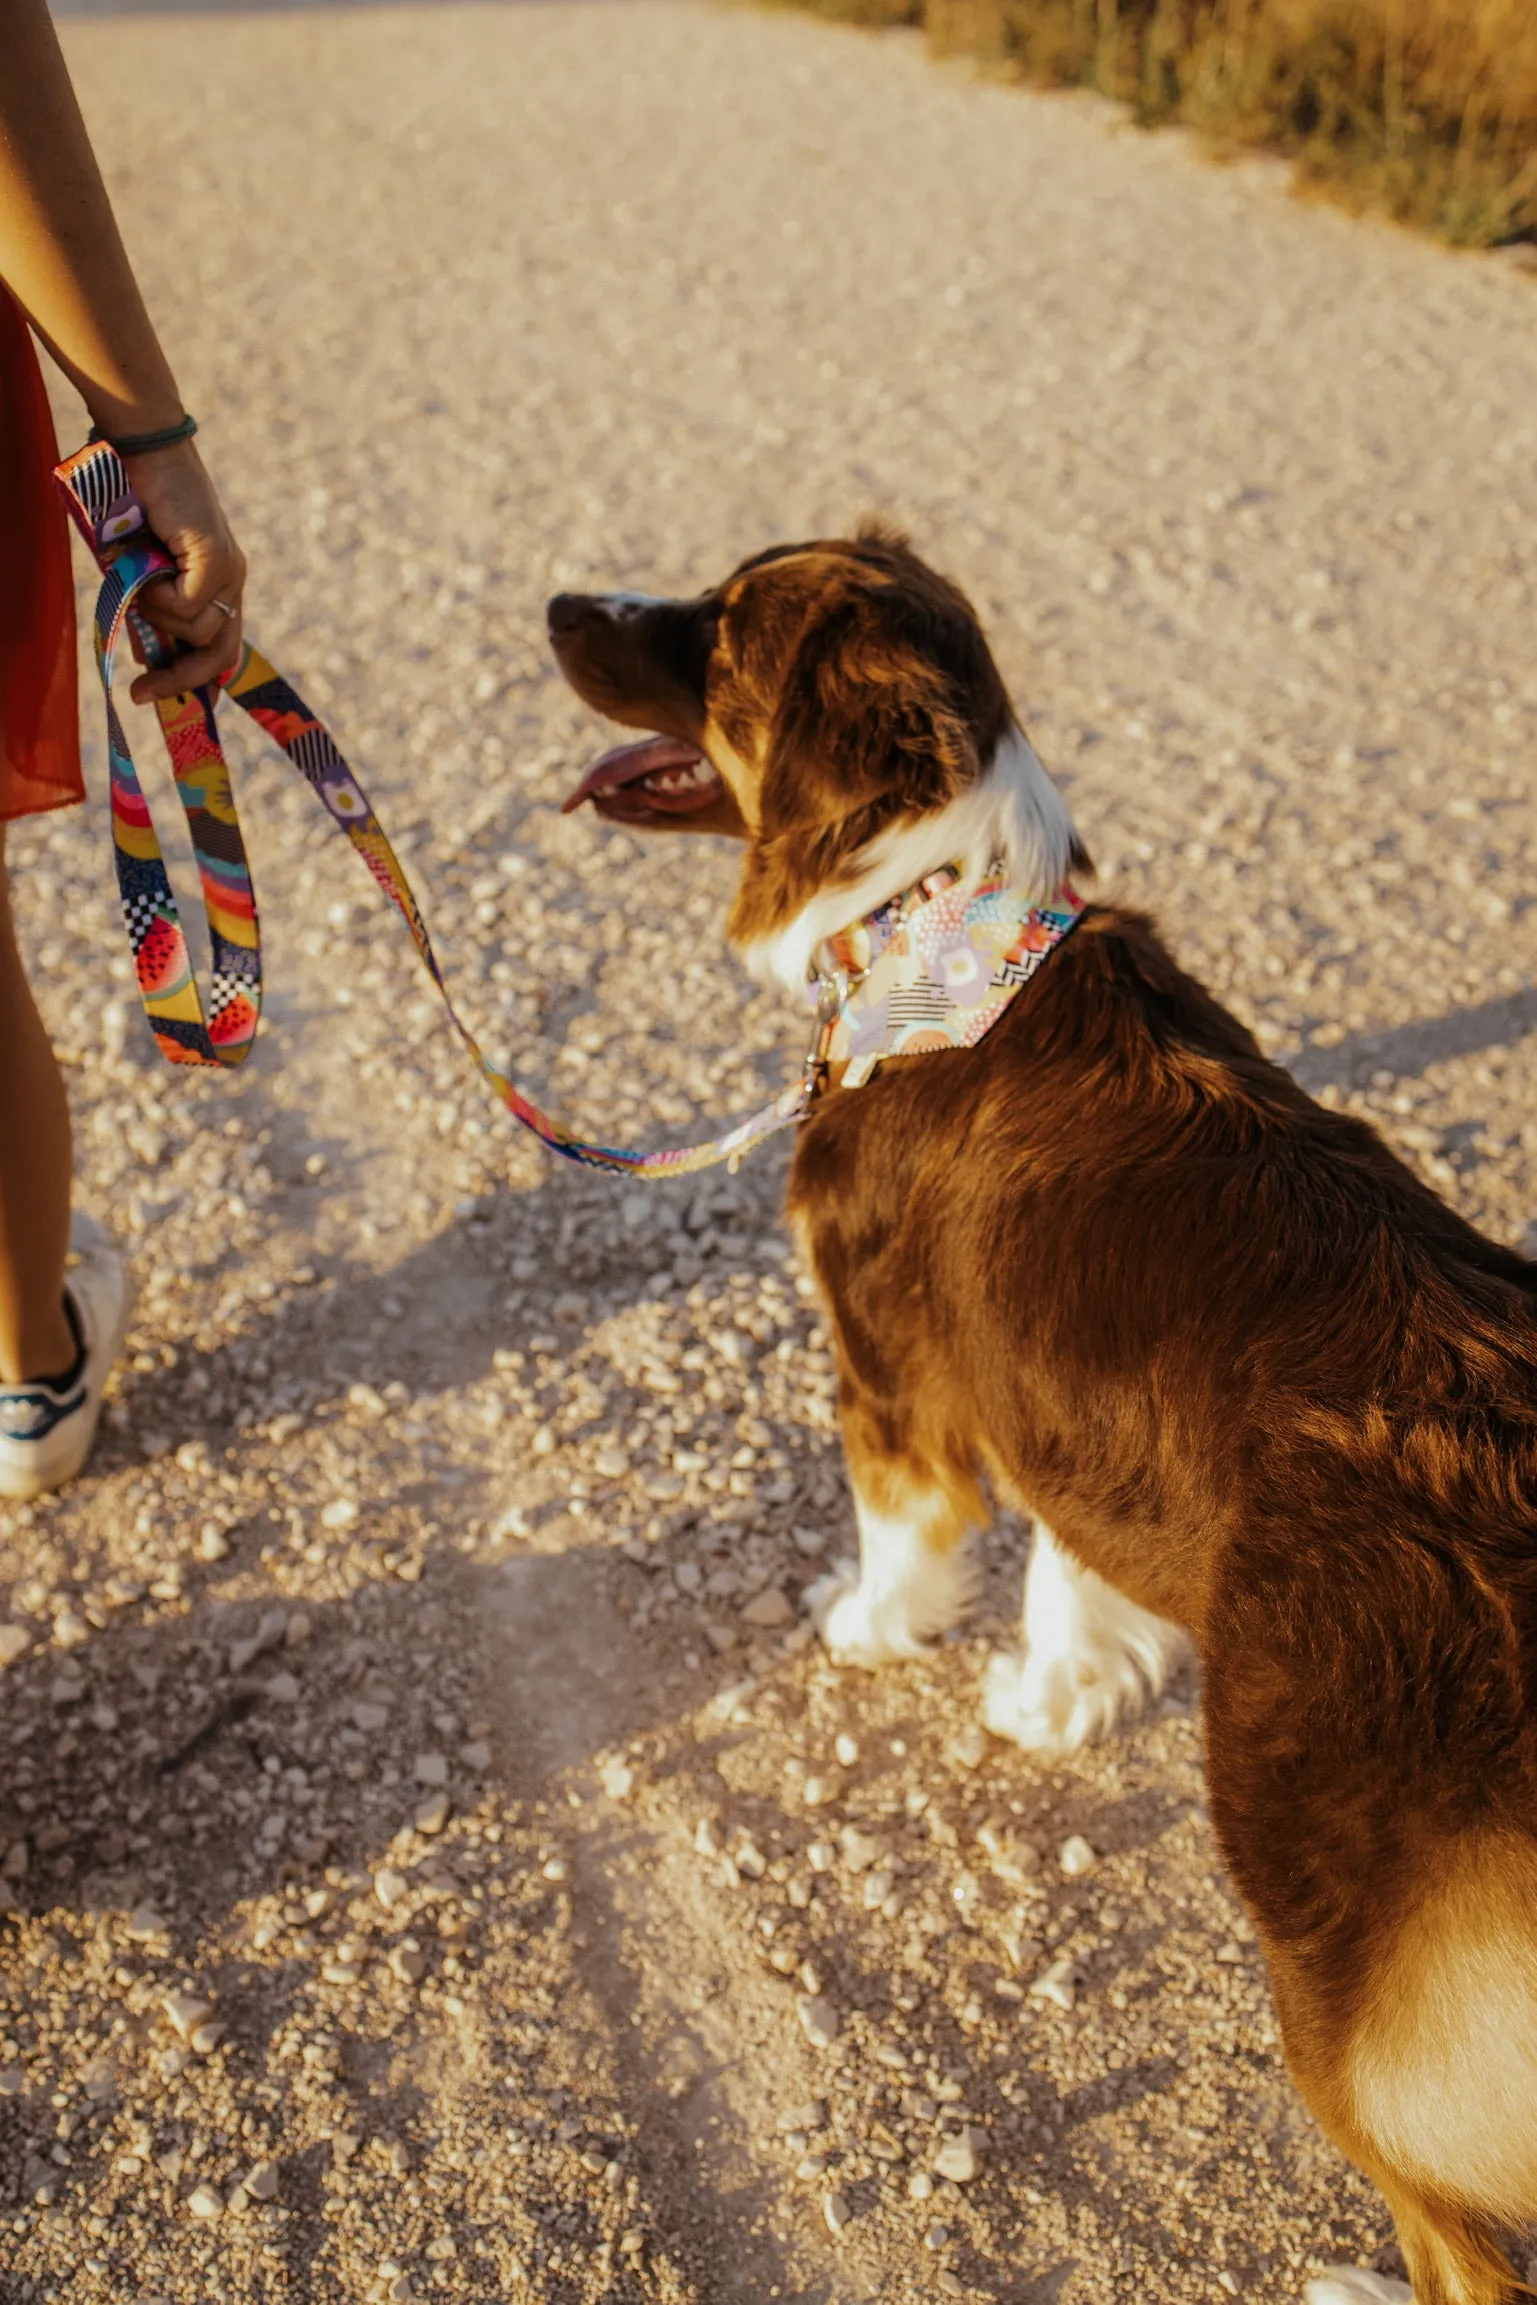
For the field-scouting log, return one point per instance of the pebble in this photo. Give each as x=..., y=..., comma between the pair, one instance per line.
x=820, y=2021
x=846, y=1748
x=618, y=1780
x=555, y=1869
x=920, y=2186
x=370, y=1718
x=433, y=1814
x=430, y=1769
x=611, y=1464
x=811, y=1542
x=817, y=1791
x=212, y=1543
x=283, y=1689
x=70, y=1629
x=340, y=1513
x=262, y=2184
x=144, y=1925
x=1076, y=1857
x=390, y=1886
x=409, y=1963
x=768, y=1609
x=837, y=2213
x=15, y=1640
x=969, y=1747
x=186, y=2012
x=936, y=2237
x=860, y=1850
x=271, y=1630
x=1056, y=1984
x=957, y=2158
x=205, y=2201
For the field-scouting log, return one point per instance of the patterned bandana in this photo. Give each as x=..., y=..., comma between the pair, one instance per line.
x=936, y=967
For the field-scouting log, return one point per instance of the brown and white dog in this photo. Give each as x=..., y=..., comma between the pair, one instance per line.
x=1252, y=1378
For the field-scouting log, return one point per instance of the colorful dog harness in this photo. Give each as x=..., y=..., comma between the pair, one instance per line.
x=933, y=968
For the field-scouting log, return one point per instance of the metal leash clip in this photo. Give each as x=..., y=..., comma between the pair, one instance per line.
x=832, y=996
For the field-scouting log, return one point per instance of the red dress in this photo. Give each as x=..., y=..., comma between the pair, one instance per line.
x=39, y=699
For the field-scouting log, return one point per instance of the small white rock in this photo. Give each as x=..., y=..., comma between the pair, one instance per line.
x=820, y=2021
x=186, y=2012
x=836, y=2211
x=283, y=1689
x=390, y=1886
x=1076, y=1857
x=957, y=2158
x=811, y=1542
x=768, y=1610
x=212, y=1543
x=846, y=1748
x=370, y=1718
x=430, y=1769
x=1056, y=1984
x=340, y=1513
x=618, y=1780
x=860, y=1850
x=204, y=2201
x=15, y=1640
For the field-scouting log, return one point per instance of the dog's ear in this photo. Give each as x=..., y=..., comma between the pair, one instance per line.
x=886, y=710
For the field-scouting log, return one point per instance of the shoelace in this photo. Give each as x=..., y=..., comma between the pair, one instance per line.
x=112, y=521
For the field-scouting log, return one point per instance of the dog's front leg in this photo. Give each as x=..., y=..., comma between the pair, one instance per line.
x=914, y=1576
x=1088, y=1655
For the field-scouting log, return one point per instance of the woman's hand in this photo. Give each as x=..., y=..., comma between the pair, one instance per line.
x=202, y=605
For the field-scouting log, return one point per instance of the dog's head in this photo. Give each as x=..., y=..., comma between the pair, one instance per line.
x=835, y=705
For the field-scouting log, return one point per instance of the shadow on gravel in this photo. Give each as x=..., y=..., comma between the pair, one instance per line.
x=1408, y=1049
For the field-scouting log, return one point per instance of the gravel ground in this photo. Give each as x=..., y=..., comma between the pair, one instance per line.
x=440, y=1864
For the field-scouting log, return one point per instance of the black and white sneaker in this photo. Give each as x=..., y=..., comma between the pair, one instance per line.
x=47, y=1427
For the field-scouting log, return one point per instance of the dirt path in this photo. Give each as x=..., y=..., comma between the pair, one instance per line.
x=405, y=1681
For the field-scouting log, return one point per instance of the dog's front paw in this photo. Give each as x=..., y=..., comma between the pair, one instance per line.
x=1054, y=1705
x=855, y=1630
x=1353, y=2285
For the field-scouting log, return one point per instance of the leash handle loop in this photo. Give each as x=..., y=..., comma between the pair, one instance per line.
x=112, y=521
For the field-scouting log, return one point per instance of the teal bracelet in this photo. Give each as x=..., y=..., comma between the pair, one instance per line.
x=145, y=443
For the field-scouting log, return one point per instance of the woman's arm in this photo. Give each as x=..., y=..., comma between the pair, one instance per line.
x=63, y=259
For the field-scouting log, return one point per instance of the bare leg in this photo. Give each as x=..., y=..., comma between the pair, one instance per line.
x=36, y=1162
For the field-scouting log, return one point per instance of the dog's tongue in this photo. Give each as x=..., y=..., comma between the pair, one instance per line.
x=654, y=756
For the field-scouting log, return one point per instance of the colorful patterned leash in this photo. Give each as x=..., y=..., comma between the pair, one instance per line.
x=112, y=521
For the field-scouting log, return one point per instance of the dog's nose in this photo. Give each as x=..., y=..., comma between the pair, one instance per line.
x=566, y=611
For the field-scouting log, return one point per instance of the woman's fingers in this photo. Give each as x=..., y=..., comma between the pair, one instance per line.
x=200, y=607
x=194, y=669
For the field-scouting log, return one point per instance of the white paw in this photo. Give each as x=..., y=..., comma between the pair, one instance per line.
x=1056, y=1704
x=1353, y=2285
x=856, y=1628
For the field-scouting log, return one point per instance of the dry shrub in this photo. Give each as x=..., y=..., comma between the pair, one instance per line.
x=1425, y=107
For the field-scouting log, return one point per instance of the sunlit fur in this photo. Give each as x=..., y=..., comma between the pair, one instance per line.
x=1258, y=1382
x=1013, y=813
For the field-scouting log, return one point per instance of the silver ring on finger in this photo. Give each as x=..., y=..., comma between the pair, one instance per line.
x=223, y=607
